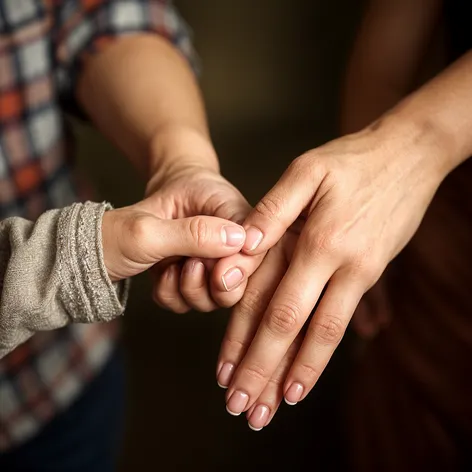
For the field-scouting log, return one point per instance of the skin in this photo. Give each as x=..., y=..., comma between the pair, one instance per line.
x=361, y=197
x=374, y=85
x=159, y=123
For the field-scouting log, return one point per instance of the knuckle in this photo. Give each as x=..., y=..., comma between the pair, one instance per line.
x=327, y=329
x=298, y=167
x=164, y=296
x=256, y=372
x=369, y=275
x=137, y=226
x=283, y=319
x=199, y=231
x=308, y=371
x=252, y=303
x=271, y=207
x=323, y=241
x=194, y=293
x=365, y=267
x=305, y=168
x=234, y=346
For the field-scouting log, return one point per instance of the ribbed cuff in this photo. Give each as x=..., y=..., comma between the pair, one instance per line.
x=88, y=293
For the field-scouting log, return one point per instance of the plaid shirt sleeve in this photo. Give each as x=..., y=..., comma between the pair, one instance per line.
x=84, y=27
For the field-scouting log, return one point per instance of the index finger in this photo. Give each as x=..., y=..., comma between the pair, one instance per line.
x=288, y=311
x=246, y=315
x=281, y=206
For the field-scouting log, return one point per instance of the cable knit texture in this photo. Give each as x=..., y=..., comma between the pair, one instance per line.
x=52, y=273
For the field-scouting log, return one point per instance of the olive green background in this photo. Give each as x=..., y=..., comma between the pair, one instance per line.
x=271, y=77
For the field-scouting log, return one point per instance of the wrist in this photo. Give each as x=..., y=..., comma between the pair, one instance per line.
x=418, y=140
x=177, y=147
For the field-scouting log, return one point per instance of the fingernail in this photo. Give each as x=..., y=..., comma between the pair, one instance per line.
x=253, y=238
x=232, y=278
x=233, y=236
x=197, y=269
x=225, y=374
x=259, y=417
x=237, y=403
x=294, y=394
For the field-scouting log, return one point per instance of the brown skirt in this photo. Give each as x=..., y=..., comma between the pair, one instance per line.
x=410, y=397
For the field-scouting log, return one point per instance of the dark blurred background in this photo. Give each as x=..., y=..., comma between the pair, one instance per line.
x=272, y=71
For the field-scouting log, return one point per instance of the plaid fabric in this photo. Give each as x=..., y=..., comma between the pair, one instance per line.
x=43, y=45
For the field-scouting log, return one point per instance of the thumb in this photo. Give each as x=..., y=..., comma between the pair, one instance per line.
x=198, y=236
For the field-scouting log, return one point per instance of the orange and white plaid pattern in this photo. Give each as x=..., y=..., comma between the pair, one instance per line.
x=43, y=45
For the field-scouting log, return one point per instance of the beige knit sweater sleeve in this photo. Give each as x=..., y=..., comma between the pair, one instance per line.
x=52, y=273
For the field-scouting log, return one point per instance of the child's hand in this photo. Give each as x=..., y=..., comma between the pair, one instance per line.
x=134, y=240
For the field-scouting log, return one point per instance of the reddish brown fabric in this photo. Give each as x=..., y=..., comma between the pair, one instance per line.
x=410, y=402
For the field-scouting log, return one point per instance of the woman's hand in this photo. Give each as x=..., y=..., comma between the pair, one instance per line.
x=362, y=198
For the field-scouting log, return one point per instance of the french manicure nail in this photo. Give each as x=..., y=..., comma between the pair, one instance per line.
x=232, y=278
x=253, y=238
x=259, y=417
x=237, y=403
x=294, y=394
x=233, y=236
x=225, y=374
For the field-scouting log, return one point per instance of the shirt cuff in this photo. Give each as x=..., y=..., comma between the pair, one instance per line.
x=88, y=293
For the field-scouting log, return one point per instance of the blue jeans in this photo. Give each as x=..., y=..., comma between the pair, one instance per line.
x=84, y=438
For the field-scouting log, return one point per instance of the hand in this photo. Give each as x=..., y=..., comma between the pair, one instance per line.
x=197, y=282
x=363, y=197
x=133, y=239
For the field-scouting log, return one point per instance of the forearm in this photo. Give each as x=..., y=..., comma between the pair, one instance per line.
x=141, y=93
x=436, y=120
x=52, y=273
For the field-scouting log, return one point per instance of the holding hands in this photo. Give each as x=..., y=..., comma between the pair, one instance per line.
x=332, y=223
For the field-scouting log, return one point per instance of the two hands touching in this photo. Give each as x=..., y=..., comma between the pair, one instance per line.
x=319, y=239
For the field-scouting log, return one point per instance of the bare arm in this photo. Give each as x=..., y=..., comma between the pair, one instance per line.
x=141, y=93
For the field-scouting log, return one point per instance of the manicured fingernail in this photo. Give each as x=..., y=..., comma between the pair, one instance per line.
x=259, y=417
x=232, y=278
x=237, y=403
x=253, y=238
x=225, y=374
x=233, y=236
x=294, y=394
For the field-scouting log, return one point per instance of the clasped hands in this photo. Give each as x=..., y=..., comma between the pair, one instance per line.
x=320, y=238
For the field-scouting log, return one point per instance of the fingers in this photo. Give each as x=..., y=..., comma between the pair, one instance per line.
x=191, y=291
x=288, y=310
x=323, y=335
x=230, y=275
x=264, y=409
x=194, y=286
x=281, y=206
x=166, y=291
x=247, y=313
x=199, y=236
x=207, y=284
